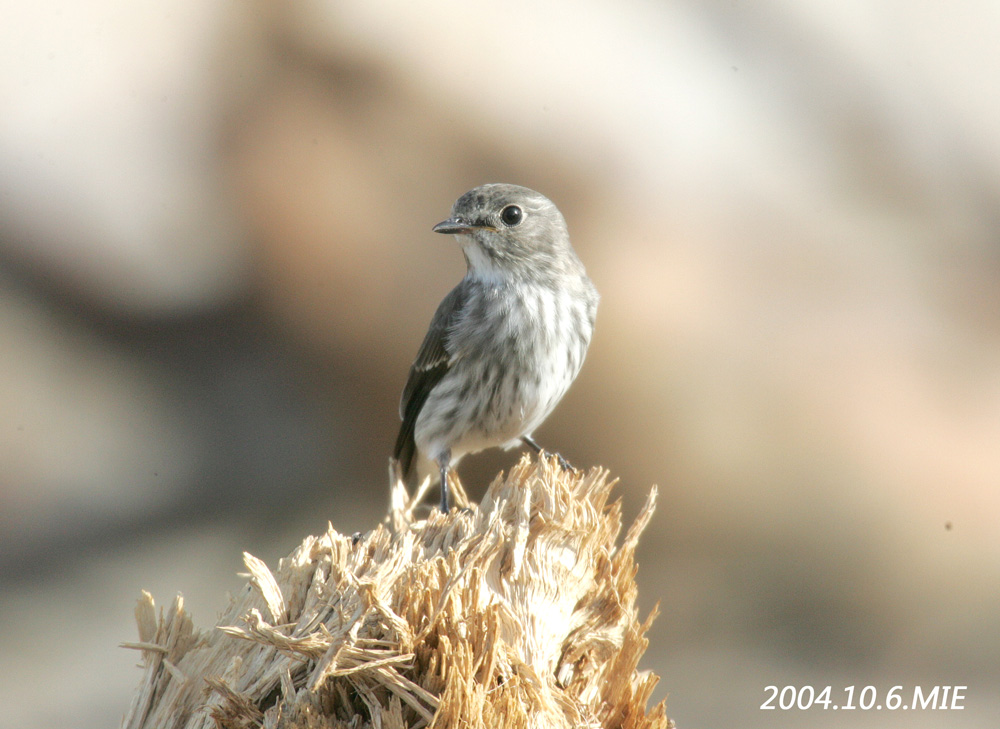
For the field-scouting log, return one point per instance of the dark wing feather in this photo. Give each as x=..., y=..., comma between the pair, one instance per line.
x=432, y=363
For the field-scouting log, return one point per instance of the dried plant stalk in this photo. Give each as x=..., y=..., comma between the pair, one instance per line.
x=519, y=612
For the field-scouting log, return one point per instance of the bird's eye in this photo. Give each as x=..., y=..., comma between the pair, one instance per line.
x=511, y=215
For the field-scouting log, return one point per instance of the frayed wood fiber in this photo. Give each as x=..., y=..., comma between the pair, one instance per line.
x=518, y=612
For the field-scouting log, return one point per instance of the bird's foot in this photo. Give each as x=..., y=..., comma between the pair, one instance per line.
x=530, y=442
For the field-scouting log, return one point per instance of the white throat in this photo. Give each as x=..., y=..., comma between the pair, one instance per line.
x=481, y=266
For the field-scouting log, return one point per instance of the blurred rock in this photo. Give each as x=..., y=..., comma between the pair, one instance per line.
x=109, y=179
x=90, y=435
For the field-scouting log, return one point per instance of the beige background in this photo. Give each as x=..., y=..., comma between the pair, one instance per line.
x=216, y=264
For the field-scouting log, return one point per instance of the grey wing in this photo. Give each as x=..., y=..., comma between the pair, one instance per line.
x=432, y=364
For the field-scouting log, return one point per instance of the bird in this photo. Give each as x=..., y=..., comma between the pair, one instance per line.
x=506, y=343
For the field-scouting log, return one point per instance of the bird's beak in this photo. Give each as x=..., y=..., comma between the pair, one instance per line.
x=453, y=226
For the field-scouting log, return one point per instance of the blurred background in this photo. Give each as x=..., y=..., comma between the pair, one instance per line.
x=216, y=265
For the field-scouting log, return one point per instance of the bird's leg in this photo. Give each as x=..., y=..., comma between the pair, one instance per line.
x=443, y=460
x=530, y=442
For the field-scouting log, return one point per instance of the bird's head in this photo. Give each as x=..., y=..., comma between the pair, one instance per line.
x=507, y=230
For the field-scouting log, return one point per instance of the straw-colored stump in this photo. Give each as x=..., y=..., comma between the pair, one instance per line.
x=519, y=612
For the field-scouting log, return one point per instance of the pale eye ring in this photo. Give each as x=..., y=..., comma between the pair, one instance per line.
x=511, y=215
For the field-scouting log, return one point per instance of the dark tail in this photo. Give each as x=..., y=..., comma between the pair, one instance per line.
x=406, y=449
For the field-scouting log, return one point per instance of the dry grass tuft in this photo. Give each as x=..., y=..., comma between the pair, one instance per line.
x=519, y=612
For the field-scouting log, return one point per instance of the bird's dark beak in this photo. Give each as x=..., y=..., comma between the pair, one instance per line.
x=453, y=226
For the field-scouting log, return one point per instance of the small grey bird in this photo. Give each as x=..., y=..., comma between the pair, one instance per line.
x=505, y=344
